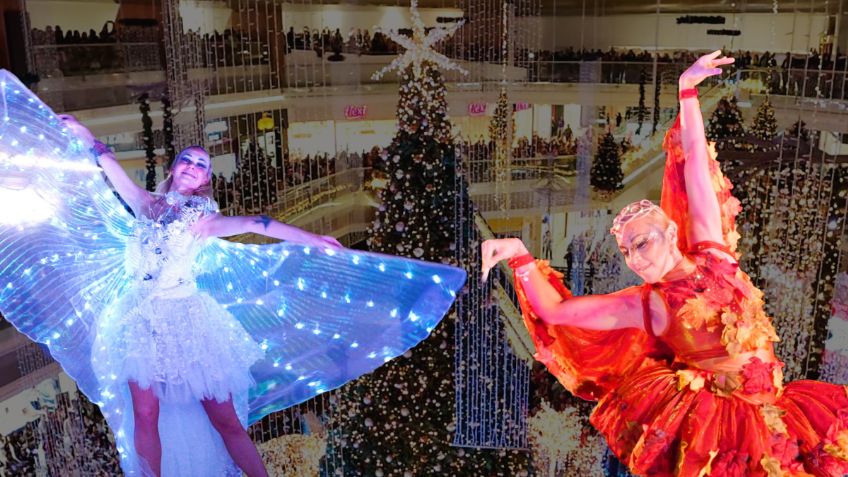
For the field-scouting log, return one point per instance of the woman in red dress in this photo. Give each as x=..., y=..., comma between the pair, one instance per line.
x=682, y=367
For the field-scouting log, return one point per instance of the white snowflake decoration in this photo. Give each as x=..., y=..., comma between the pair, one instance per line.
x=419, y=48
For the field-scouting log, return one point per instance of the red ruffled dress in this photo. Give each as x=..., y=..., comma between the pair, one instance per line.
x=707, y=397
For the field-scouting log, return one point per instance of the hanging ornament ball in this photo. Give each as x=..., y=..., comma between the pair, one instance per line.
x=399, y=248
x=396, y=158
x=429, y=187
x=418, y=158
x=399, y=174
x=408, y=205
x=369, y=422
x=400, y=226
x=418, y=252
x=382, y=208
x=399, y=196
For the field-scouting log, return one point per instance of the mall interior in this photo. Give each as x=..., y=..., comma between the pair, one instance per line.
x=297, y=102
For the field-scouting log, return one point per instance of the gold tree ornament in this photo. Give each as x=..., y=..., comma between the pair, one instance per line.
x=419, y=48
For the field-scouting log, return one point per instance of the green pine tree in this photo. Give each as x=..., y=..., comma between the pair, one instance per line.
x=399, y=420
x=765, y=124
x=799, y=131
x=415, y=217
x=258, y=188
x=725, y=126
x=168, y=130
x=606, y=174
x=149, y=147
x=500, y=127
x=642, y=110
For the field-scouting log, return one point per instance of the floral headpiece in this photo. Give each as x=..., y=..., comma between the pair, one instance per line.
x=630, y=212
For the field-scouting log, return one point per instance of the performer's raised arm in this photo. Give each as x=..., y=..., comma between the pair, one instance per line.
x=704, y=213
x=132, y=194
x=617, y=310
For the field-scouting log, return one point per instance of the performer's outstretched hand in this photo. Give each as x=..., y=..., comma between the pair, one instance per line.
x=78, y=129
x=704, y=67
x=493, y=251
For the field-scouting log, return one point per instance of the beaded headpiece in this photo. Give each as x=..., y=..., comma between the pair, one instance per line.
x=630, y=212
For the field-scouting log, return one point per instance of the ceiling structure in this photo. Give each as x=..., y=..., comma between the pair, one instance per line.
x=617, y=7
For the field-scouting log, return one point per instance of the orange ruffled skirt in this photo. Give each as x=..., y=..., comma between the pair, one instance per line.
x=659, y=427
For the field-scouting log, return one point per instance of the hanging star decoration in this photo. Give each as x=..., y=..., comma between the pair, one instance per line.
x=419, y=48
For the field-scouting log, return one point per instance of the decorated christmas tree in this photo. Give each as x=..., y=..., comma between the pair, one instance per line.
x=725, y=126
x=415, y=217
x=399, y=420
x=258, y=186
x=147, y=139
x=168, y=130
x=502, y=125
x=765, y=124
x=641, y=111
x=501, y=130
x=606, y=174
x=799, y=131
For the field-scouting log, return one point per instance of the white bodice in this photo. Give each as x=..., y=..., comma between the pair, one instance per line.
x=161, y=253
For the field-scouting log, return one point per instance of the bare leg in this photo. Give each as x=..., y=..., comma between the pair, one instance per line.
x=223, y=417
x=148, y=446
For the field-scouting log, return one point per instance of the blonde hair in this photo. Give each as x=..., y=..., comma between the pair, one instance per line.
x=204, y=191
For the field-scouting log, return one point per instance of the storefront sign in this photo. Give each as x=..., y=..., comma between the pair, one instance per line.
x=522, y=106
x=355, y=112
x=477, y=109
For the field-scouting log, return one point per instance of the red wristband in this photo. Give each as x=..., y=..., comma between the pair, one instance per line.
x=521, y=260
x=688, y=93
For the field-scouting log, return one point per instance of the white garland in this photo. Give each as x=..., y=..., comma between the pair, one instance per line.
x=294, y=455
x=563, y=444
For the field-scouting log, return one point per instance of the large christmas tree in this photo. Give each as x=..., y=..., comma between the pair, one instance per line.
x=399, y=420
x=606, y=174
x=725, y=125
x=415, y=217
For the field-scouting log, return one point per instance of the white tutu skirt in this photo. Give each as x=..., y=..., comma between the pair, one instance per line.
x=185, y=347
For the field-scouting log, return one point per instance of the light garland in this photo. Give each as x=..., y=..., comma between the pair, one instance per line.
x=294, y=455
x=561, y=441
x=835, y=360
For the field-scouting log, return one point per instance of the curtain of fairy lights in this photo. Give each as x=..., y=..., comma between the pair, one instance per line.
x=187, y=93
x=834, y=366
x=492, y=383
x=794, y=210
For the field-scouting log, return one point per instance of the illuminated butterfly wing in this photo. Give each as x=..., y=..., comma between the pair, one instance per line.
x=62, y=234
x=62, y=231
x=324, y=316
